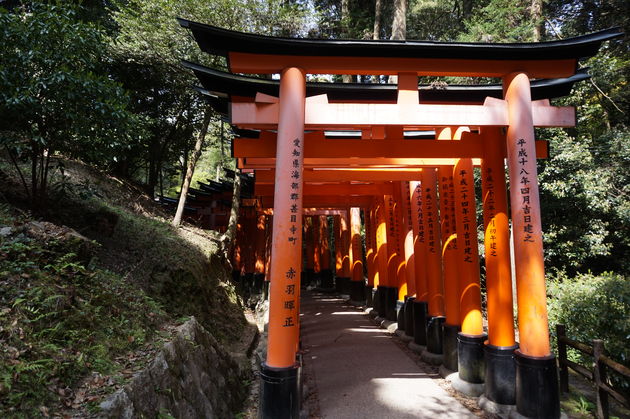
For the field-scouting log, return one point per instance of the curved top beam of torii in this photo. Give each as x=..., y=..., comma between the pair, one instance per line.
x=251, y=53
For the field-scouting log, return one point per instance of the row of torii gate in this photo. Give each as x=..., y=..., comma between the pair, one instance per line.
x=404, y=157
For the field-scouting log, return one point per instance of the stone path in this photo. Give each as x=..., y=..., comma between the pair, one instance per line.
x=359, y=372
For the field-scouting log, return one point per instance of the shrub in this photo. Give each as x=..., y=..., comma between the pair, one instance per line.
x=594, y=307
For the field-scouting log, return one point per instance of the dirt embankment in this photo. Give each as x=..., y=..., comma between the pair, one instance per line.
x=94, y=287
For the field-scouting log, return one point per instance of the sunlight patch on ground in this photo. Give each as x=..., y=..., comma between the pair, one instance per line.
x=343, y=313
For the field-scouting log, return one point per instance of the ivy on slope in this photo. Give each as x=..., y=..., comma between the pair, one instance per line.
x=60, y=318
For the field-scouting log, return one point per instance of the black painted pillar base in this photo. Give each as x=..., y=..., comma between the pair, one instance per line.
x=310, y=277
x=236, y=276
x=434, y=334
x=400, y=313
x=449, y=346
x=346, y=286
x=357, y=291
x=249, y=279
x=317, y=279
x=259, y=279
x=279, y=392
x=537, y=392
x=420, y=309
x=266, y=290
x=470, y=354
x=409, y=316
x=327, y=278
x=381, y=297
x=500, y=374
x=369, y=295
x=342, y=284
x=391, y=303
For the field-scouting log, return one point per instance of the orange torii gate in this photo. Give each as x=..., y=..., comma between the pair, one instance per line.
x=290, y=112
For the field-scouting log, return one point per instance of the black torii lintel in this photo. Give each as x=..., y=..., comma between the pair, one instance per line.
x=219, y=41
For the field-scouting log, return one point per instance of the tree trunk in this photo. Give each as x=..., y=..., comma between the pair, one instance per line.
x=399, y=25
x=345, y=33
x=228, y=238
x=378, y=11
x=34, y=188
x=467, y=6
x=191, y=167
x=536, y=16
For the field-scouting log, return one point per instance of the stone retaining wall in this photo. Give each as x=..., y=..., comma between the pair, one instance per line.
x=192, y=377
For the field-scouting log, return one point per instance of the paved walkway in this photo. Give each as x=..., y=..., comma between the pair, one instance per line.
x=358, y=370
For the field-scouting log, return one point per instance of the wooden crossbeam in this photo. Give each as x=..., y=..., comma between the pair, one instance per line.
x=471, y=146
x=268, y=176
x=339, y=202
x=269, y=163
x=323, y=115
x=339, y=189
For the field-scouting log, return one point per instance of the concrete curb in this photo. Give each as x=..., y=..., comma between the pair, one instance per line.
x=446, y=373
x=389, y=325
x=489, y=406
x=416, y=348
x=404, y=336
x=515, y=415
x=431, y=358
x=466, y=388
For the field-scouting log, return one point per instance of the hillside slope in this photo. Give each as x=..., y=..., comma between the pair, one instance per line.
x=91, y=292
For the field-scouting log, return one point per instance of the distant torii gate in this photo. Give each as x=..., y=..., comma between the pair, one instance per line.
x=500, y=127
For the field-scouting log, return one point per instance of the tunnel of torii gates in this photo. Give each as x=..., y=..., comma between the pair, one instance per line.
x=399, y=160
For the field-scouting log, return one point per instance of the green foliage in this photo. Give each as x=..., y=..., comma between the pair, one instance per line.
x=146, y=54
x=500, y=21
x=60, y=320
x=574, y=196
x=594, y=307
x=54, y=97
x=437, y=20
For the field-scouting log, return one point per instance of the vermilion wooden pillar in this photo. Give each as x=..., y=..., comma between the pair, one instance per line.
x=357, y=289
x=309, y=249
x=393, y=261
x=260, y=253
x=465, y=210
x=342, y=280
x=401, y=269
x=401, y=265
x=500, y=376
x=249, y=249
x=317, y=255
x=407, y=230
x=432, y=237
x=409, y=257
x=449, y=265
x=324, y=242
x=370, y=255
x=420, y=247
x=536, y=366
x=338, y=252
x=420, y=304
x=471, y=338
x=435, y=285
x=382, y=256
x=279, y=373
x=237, y=253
